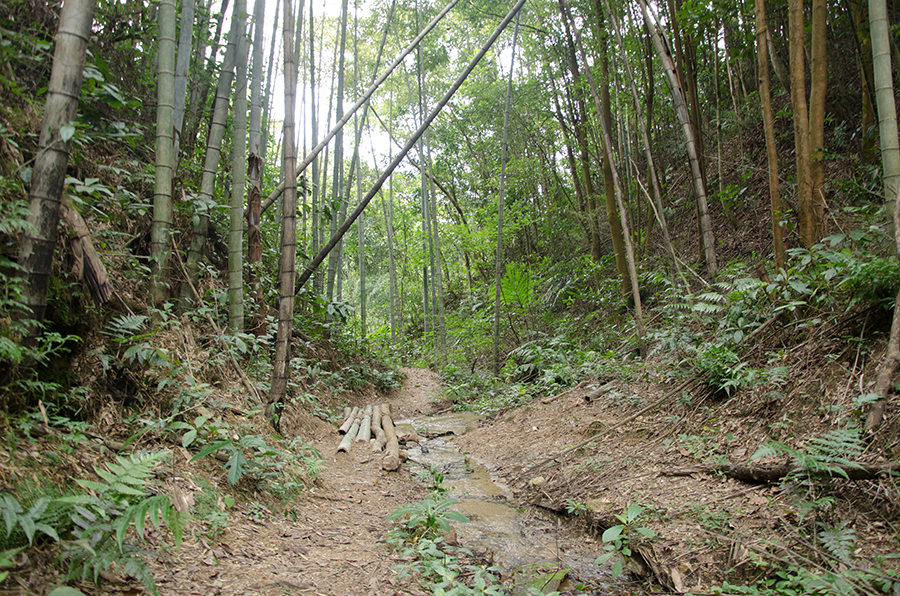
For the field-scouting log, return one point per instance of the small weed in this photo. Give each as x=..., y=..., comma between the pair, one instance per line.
x=622, y=537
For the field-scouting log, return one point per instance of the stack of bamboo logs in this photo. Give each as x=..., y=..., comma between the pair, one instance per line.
x=361, y=423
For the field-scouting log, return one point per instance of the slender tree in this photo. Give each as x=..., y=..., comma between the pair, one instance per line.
x=884, y=98
x=501, y=198
x=689, y=133
x=255, y=164
x=48, y=177
x=348, y=114
x=267, y=99
x=413, y=139
x=607, y=140
x=644, y=126
x=238, y=178
x=165, y=157
x=338, y=179
x=817, y=91
x=286, y=268
x=800, y=112
x=185, y=38
x=769, y=130
x=205, y=200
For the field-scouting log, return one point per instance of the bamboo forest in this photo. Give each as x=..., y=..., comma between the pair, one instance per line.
x=449, y=297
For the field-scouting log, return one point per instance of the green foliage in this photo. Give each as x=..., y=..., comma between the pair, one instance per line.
x=441, y=573
x=30, y=521
x=283, y=472
x=116, y=510
x=517, y=287
x=210, y=510
x=544, y=363
x=437, y=564
x=826, y=456
x=839, y=541
x=428, y=517
x=622, y=537
x=6, y=560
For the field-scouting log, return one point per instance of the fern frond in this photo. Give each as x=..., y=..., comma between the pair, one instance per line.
x=125, y=326
x=711, y=297
x=770, y=449
x=839, y=541
x=707, y=308
x=128, y=477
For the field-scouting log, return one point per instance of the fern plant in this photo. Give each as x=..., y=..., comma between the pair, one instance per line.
x=29, y=521
x=839, y=541
x=828, y=455
x=120, y=502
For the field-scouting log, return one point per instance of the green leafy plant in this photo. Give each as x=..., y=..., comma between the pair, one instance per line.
x=575, y=508
x=825, y=456
x=6, y=560
x=622, y=537
x=428, y=517
x=121, y=501
x=29, y=521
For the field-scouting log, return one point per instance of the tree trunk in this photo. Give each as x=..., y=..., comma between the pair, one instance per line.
x=199, y=96
x=612, y=217
x=48, y=177
x=264, y=140
x=238, y=180
x=689, y=136
x=498, y=264
x=185, y=37
x=769, y=130
x=801, y=125
x=280, y=369
x=165, y=156
x=205, y=200
x=817, y=91
x=255, y=166
x=884, y=97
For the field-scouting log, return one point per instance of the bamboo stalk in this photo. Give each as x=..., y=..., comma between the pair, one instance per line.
x=380, y=440
x=347, y=441
x=365, y=429
x=391, y=459
x=349, y=421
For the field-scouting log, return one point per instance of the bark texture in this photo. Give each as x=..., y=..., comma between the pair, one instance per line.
x=49, y=174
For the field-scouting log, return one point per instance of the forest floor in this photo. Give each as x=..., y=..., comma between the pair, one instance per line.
x=654, y=451
x=708, y=526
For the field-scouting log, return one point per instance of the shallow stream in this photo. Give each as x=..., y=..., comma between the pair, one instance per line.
x=518, y=539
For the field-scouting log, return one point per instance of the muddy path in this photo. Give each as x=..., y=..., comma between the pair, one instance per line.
x=329, y=541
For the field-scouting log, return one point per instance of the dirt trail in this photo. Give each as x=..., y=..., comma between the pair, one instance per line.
x=333, y=546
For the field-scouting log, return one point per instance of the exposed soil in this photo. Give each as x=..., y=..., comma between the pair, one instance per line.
x=328, y=540
x=709, y=526
x=334, y=547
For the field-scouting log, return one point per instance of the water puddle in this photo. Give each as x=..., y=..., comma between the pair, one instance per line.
x=518, y=539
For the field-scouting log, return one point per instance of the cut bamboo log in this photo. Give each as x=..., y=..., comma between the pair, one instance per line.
x=348, y=422
x=379, y=441
x=369, y=410
x=386, y=408
x=347, y=441
x=347, y=411
x=391, y=459
x=365, y=429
